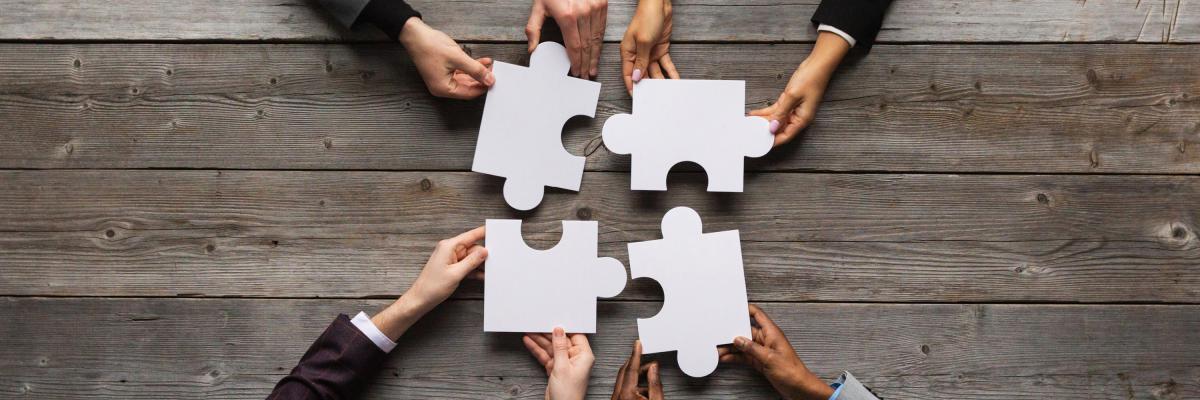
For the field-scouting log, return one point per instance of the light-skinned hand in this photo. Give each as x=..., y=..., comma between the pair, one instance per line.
x=647, y=40
x=447, y=70
x=797, y=105
x=567, y=359
x=628, y=386
x=582, y=23
x=771, y=354
x=452, y=261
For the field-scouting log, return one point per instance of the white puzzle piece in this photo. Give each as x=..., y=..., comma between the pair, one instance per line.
x=520, y=136
x=701, y=121
x=529, y=290
x=703, y=287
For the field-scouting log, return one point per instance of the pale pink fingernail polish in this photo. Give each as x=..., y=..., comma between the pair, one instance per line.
x=637, y=75
x=774, y=126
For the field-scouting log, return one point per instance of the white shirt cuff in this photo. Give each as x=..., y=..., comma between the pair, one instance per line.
x=364, y=324
x=839, y=32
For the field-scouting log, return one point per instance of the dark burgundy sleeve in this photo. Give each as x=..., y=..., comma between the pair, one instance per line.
x=861, y=19
x=388, y=15
x=336, y=366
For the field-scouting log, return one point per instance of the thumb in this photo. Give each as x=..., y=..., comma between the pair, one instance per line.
x=561, y=347
x=780, y=111
x=754, y=350
x=474, y=68
x=533, y=28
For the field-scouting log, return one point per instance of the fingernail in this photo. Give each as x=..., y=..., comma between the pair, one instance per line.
x=774, y=126
x=637, y=75
x=559, y=332
x=594, y=73
x=740, y=342
x=491, y=79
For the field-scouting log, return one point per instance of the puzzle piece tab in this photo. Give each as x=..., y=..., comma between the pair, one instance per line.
x=520, y=136
x=530, y=290
x=704, y=291
x=702, y=121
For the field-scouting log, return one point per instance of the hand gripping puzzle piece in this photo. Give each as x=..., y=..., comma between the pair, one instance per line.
x=701, y=121
x=703, y=286
x=520, y=135
x=529, y=290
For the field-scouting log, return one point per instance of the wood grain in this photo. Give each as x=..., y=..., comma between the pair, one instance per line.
x=504, y=20
x=840, y=237
x=180, y=348
x=942, y=108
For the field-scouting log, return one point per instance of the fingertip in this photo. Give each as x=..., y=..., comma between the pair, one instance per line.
x=774, y=126
x=559, y=332
x=741, y=342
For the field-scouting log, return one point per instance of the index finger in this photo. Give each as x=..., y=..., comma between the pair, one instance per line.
x=571, y=40
x=652, y=381
x=471, y=236
x=627, y=55
x=635, y=366
x=768, y=326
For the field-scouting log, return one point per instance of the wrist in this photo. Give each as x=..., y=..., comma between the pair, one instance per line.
x=828, y=52
x=812, y=387
x=413, y=29
x=394, y=320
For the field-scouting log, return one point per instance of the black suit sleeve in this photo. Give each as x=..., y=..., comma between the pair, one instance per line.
x=861, y=19
x=389, y=16
x=335, y=366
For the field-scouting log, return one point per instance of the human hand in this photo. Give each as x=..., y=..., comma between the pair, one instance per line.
x=644, y=48
x=797, y=105
x=567, y=361
x=771, y=354
x=628, y=377
x=452, y=261
x=447, y=70
x=582, y=23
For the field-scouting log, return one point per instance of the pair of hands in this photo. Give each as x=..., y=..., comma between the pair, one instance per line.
x=643, y=49
x=569, y=361
x=450, y=72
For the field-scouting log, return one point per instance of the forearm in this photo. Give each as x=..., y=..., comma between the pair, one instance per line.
x=398, y=317
x=827, y=53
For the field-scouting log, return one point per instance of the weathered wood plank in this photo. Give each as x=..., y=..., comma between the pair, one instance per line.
x=289, y=263
x=504, y=20
x=829, y=237
x=179, y=348
x=1010, y=108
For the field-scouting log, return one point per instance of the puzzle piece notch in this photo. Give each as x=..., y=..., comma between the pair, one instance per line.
x=530, y=290
x=703, y=286
x=701, y=121
x=520, y=135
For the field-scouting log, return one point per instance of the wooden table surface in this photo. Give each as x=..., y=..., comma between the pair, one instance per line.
x=1001, y=201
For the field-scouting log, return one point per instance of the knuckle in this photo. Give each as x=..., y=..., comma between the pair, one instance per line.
x=530, y=29
x=643, y=38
